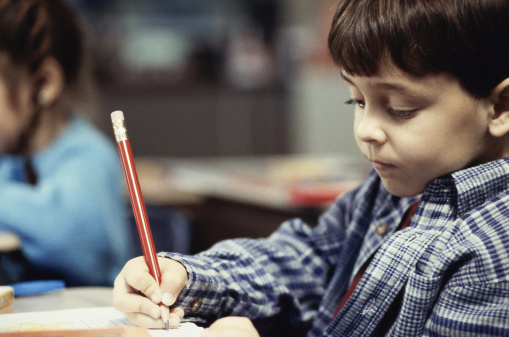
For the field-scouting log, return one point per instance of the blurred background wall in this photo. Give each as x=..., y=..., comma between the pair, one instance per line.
x=219, y=77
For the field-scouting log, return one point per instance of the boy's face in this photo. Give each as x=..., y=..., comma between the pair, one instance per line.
x=414, y=130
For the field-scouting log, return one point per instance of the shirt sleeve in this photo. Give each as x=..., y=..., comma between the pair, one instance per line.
x=284, y=274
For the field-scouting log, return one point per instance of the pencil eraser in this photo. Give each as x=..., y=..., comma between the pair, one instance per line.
x=116, y=115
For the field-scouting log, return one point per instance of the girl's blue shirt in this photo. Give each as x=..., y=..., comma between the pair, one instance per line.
x=72, y=223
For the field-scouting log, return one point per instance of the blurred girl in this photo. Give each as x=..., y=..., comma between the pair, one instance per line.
x=60, y=179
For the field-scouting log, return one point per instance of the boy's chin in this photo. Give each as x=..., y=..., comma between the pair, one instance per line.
x=402, y=190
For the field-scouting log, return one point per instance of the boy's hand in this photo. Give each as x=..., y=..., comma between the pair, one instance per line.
x=138, y=295
x=231, y=327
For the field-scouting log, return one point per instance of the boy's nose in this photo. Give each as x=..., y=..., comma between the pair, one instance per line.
x=369, y=128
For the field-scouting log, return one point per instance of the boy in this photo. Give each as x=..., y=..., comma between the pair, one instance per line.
x=430, y=83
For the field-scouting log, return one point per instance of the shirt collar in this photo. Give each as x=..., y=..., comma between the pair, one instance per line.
x=472, y=186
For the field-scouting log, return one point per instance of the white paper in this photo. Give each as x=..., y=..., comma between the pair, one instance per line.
x=88, y=318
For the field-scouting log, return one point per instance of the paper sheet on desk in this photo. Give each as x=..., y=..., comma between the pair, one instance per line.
x=89, y=318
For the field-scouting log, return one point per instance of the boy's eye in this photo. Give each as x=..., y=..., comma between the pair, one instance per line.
x=401, y=113
x=357, y=102
x=393, y=112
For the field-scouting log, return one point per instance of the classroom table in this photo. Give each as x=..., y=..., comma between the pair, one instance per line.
x=279, y=182
x=68, y=298
x=250, y=196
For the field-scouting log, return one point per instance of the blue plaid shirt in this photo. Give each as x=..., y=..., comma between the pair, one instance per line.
x=447, y=274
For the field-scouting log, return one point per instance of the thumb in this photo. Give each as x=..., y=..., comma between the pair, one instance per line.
x=137, y=276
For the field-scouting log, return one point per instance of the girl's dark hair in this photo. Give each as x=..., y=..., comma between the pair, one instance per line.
x=32, y=30
x=468, y=39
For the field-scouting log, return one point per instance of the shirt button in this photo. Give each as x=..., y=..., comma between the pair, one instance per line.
x=195, y=304
x=381, y=229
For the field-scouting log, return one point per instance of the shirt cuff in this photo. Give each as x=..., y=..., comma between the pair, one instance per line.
x=202, y=295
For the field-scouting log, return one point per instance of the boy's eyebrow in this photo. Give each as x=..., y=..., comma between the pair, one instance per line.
x=385, y=85
x=345, y=78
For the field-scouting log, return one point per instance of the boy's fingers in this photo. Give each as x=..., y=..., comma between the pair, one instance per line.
x=135, y=275
x=138, y=295
x=174, y=320
x=149, y=321
x=133, y=303
x=143, y=320
x=173, y=280
x=177, y=311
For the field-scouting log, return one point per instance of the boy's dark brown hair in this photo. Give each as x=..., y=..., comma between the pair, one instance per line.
x=468, y=39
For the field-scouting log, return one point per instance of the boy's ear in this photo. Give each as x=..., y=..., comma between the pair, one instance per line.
x=50, y=79
x=499, y=124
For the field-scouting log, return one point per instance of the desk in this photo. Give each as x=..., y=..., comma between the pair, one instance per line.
x=69, y=298
x=247, y=196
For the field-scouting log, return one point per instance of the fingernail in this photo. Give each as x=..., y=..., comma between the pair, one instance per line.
x=154, y=312
x=154, y=298
x=179, y=312
x=173, y=322
x=168, y=299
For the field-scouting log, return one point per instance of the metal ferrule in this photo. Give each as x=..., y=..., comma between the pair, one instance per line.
x=120, y=130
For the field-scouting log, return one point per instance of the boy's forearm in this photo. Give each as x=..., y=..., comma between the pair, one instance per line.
x=225, y=284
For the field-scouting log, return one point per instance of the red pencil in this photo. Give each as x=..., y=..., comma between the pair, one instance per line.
x=133, y=185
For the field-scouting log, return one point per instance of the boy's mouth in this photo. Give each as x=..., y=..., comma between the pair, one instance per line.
x=381, y=166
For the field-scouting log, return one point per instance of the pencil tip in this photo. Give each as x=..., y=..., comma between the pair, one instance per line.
x=167, y=324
